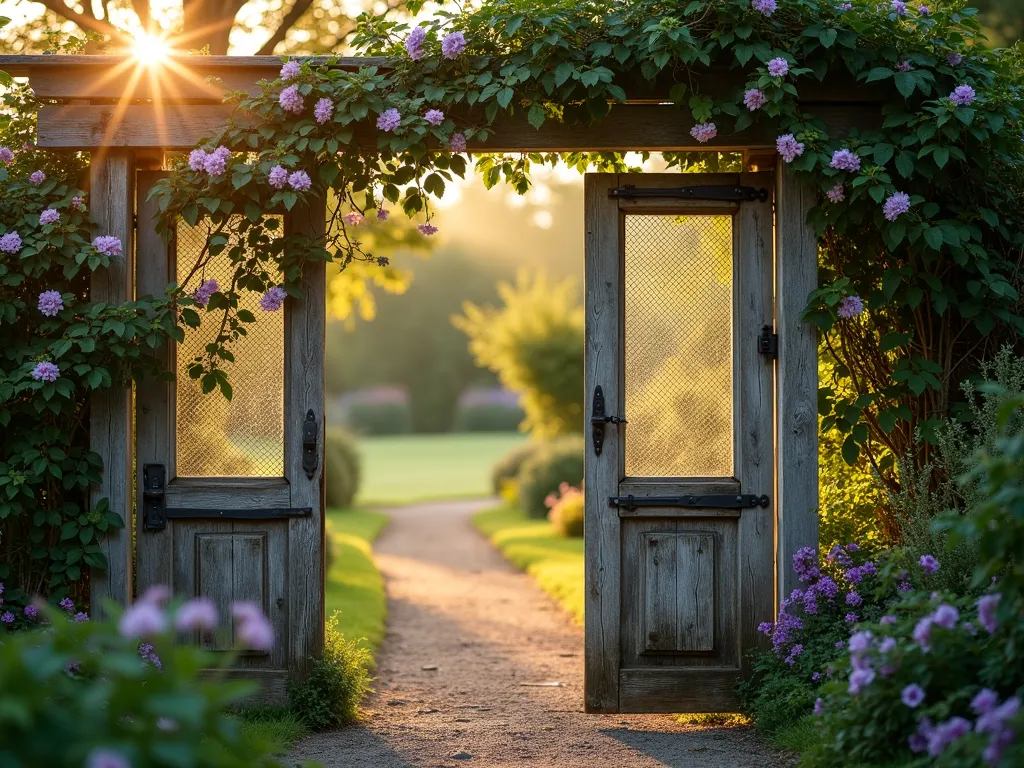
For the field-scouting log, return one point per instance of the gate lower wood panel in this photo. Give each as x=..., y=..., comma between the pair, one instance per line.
x=226, y=468
x=677, y=293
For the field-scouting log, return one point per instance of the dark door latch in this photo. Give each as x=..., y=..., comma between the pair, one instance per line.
x=154, y=510
x=598, y=419
x=310, y=454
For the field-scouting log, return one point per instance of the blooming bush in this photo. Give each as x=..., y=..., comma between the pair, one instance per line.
x=566, y=510
x=125, y=694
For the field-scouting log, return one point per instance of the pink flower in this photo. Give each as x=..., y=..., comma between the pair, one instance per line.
x=850, y=307
x=158, y=594
x=837, y=194
x=46, y=371
x=106, y=758
x=987, y=606
x=789, y=148
x=928, y=564
x=323, y=110
x=197, y=159
x=845, y=160
x=200, y=613
x=10, y=243
x=897, y=204
x=354, y=218
x=300, y=181
x=427, y=229
x=704, y=132
x=382, y=214
x=252, y=629
x=754, y=99
x=778, y=67
x=108, y=245
x=414, y=43
x=963, y=95
x=453, y=44
x=50, y=303
x=291, y=100
x=272, y=300
x=434, y=116
x=49, y=216
x=6, y=155
x=457, y=142
x=290, y=69
x=37, y=177
x=205, y=290
x=278, y=177
x=912, y=695
x=766, y=7
x=142, y=619
x=389, y=119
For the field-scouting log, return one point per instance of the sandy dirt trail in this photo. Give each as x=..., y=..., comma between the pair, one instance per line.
x=466, y=671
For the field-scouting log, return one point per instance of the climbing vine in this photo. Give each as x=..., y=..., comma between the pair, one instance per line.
x=920, y=220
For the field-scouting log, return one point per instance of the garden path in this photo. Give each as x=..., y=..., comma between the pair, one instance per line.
x=465, y=669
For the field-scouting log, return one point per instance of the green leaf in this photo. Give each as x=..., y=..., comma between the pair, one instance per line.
x=933, y=236
x=536, y=116
x=505, y=97
x=828, y=37
x=941, y=156
x=851, y=451
x=563, y=72
x=905, y=83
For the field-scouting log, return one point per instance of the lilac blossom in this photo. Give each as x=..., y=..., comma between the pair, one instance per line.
x=946, y=616
x=148, y=653
x=922, y=634
x=50, y=303
x=157, y=594
x=427, y=229
x=252, y=628
x=924, y=10
x=291, y=100
x=887, y=645
x=853, y=599
x=290, y=69
x=789, y=148
x=7, y=617
x=217, y=162
x=197, y=159
x=6, y=155
x=382, y=214
x=904, y=66
x=918, y=741
x=860, y=642
x=205, y=290
x=67, y=604
x=963, y=95
x=954, y=58
x=457, y=142
x=200, y=613
x=300, y=181
x=860, y=678
x=46, y=371
x=704, y=132
x=840, y=645
x=819, y=706
x=37, y=177
x=944, y=734
x=414, y=43
x=845, y=160
x=850, y=307
x=49, y=216
x=816, y=677
x=80, y=617
x=754, y=99
x=10, y=243
x=838, y=556
x=912, y=695
x=795, y=651
x=903, y=586
x=354, y=218
x=827, y=586
x=928, y=564
x=897, y=204
x=837, y=194
x=778, y=67
x=987, y=606
x=78, y=203
x=389, y=119
x=984, y=701
x=31, y=611
x=278, y=177
x=764, y=7
x=272, y=300
x=852, y=547
x=434, y=116
x=142, y=620
x=992, y=721
x=106, y=758
x=323, y=110
x=805, y=563
x=850, y=618
x=108, y=245
x=899, y=7
x=453, y=44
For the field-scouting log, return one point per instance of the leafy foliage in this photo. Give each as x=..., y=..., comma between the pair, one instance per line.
x=543, y=472
x=342, y=468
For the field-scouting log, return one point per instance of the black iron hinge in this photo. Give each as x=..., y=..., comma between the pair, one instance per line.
x=704, y=501
x=706, y=192
x=768, y=342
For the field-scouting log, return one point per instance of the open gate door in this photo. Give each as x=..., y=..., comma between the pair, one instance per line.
x=230, y=494
x=679, y=464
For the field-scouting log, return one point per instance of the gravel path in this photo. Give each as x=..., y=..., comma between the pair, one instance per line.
x=480, y=668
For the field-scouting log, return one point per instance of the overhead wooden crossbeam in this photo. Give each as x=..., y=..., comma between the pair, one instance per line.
x=114, y=101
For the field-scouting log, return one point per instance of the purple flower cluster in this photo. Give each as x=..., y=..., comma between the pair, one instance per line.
x=108, y=245
x=252, y=629
x=31, y=612
x=323, y=110
x=216, y=162
x=148, y=653
x=704, y=132
x=49, y=216
x=453, y=44
x=954, y=58
x=197, y=614
x=67, y=604
x=291, y=100
x=434, y=116
x=963, y=95
x=300, y=181
x=278, y=177
x=389, y=119
x=10, y=242
x=205, y=290
x=7, y=617
x=427, y=229
x=754, y=99
x=987, y=607
x=272, y=300
x=993, y=719
x=766, y=7
x=382, y=214
x=290, y=69
x=928, y=564
x=46, y=371
x=414, y=43
x=899, y=7
x=6, y=155
x=778, y=67
x=904, y=66
x=457, y=142
x=106, y=758
x=354, y=218
x=37, y=177
x=850, y=307
x=78, y=203
x=789, y=148
x=50, y=303
x=845, y=160
x=896, y=205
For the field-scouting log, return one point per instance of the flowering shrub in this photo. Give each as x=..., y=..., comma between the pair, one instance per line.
x=566, y=510
x=127, y=694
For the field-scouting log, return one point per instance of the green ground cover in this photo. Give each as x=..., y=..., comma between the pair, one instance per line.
x=354, y=587
x=534, y=546
x=404, y=469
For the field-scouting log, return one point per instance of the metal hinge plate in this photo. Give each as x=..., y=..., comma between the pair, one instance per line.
x=768, y=342
x=705, y=192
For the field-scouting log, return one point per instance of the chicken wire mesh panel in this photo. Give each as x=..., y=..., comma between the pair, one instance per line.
x=678, y=346
x=243, y=437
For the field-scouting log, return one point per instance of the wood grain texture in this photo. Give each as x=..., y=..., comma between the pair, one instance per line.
x=154, y=401
x=797, y=376
x=755, y=444
x=112, y=200
x=305, y=322
x=237, y=493
x=669, y=690
x=273, y=683
x=603, y=270
x=214, y=570
x=679, y=592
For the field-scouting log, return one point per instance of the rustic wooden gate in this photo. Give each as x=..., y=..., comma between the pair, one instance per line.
x=680, y=534
x=230, y=494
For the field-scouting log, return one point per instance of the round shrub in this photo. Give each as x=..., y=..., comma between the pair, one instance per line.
x=379, y=418
x=342, y=466
x=567, y=512
x=542, y=473
x=488, y=417
x=506, y=470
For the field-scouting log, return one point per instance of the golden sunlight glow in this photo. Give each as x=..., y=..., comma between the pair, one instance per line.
x=150, y=49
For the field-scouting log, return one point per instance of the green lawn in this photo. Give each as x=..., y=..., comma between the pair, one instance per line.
x=533, y=545
x=404, y=469
x=354, y=586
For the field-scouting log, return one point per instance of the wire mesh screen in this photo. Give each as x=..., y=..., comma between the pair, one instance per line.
x=678, y=346
x=243, y=437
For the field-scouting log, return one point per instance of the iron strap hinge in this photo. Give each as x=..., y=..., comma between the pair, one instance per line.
x=267, y=513
x=706, y=501
x=768, y=342
x=705, y=192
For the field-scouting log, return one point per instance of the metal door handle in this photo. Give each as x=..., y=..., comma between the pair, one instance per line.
x=310, y=454
x=598, y=419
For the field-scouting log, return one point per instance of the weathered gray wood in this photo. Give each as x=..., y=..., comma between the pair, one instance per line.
x=214, y=569
x=695, y=592
x=112, y=203
x=661, y=570
x=755, y=454
x=669, y=690
x=305, y=322
x=677, y=513
x=273, y=684
x=644, y=486
x=229, y=493
x=796, y=277
x=154, y=401
x=249, y=570
x=603, y=245
x=266, y=585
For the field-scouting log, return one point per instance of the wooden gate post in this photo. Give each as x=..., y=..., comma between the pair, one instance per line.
x=112, y=204
x=796, y=389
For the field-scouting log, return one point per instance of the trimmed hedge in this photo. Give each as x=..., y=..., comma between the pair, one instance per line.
x=343, y=468
x=506, y=469
x=379, y=418
x=550, y=465
x=488, y=417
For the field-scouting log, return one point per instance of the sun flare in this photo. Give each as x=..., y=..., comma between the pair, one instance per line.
x=150, y=49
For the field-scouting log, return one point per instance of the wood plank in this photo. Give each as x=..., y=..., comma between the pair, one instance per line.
x=214, y=569
x=677, y=513
x=661, y=570
x=272, y=684
x=678, y=689
x=650, y=127
x=305, y=322
x=154, y=403
x=228, y=493
x=248, y=577
x=112, y=204
x=273, y=589
x=603, y=270
x=755, y=460
x=796, y=277
x=695, y=592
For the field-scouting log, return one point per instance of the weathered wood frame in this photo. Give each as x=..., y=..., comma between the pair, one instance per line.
x=128, y=114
